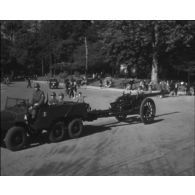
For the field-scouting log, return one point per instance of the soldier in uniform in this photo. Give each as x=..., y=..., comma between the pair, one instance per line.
x=80, y=97
x=61, y=98
x=37, y=100
x=53, y=100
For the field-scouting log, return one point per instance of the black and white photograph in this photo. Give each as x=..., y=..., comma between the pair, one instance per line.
x=97, y=97
x=91, y=97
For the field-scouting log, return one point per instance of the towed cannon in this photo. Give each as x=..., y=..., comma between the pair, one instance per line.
x=127, y=104
x=65, y=120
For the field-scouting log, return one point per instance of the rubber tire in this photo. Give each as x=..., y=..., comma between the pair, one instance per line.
x=142, y=110
x=71, y=134
x=121, y=117
x=10, y=135
x=52, y=137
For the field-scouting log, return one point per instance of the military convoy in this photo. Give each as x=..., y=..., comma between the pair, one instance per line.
x=18, y=130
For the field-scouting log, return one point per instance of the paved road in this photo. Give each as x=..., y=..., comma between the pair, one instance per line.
x=107, y=147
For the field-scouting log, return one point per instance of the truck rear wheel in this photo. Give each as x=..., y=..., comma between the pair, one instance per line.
x=16, y=138
x=75, y=128
x=147, y=110
x=57, y=132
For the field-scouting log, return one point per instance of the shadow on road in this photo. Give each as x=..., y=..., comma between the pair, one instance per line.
x=91, y=129
x=167, y=114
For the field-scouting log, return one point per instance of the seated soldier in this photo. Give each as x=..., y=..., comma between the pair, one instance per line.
x=80, y=97
x=37, y=100
x=53, y=99
x=61, y=98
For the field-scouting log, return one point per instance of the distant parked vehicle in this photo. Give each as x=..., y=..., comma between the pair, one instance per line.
x=53, y=84
x=19, y=78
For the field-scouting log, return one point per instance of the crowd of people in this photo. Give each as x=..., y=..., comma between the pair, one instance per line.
x=6, y=80
x=169, y=87
x=173, y=87
x=71, y=87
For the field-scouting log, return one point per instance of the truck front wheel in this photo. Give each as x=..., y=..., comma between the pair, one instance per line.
x=75, y=128
x=16, y=138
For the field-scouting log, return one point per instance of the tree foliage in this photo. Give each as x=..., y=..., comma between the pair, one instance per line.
x=153, y=48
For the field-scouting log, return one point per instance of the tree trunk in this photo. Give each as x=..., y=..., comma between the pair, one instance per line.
x=154, y=74
x=86, y=57
x=42, y=67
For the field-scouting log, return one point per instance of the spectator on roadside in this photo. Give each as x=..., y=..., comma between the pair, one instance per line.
x=74, y=88
x=162, y=88
x=93, y=76
x=176, y=87
x=131, y=82
x=171, y=88
x=71, y=90
x=7, y=81
x=29, y=83
x=168, y=86
x=67, y=86
x=101, y=83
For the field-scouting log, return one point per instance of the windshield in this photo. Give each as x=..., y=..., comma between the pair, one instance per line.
x=16, y=102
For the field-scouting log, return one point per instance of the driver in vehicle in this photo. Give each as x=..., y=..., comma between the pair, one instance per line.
x=37, y=100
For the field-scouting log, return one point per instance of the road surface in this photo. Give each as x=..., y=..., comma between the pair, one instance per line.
x=108, y=147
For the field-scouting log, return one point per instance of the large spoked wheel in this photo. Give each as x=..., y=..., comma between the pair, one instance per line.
x=16, y=138
x=147, y=110
x=75, y=128
x=121, y=117
x=57, y=132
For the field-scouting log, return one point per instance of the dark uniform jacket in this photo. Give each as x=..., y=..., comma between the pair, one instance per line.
x=60, y=101
x=38, y=97
x=53, y=101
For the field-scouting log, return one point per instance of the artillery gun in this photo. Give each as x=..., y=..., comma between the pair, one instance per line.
x=127, y=104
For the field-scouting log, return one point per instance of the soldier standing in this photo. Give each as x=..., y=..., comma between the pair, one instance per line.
x=29, y=83
x=37, y=100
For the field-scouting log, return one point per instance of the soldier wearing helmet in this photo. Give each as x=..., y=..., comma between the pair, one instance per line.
x=37, y=100
x=53, y=99
x=38, y=96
